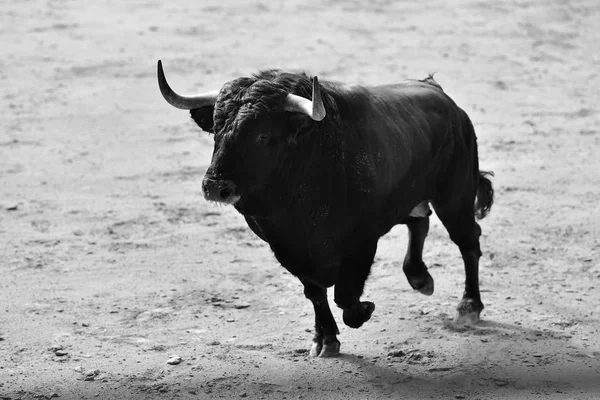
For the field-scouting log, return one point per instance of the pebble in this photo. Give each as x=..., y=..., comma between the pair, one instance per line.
x=174, y=360
x=102, y=377
x=241, y=305
x=398, y=353
x=56, y=347
x=61, y=353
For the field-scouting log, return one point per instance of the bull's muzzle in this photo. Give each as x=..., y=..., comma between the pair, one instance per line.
x=222, y=191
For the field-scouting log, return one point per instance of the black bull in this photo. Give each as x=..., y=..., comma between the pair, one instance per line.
x=322, y=180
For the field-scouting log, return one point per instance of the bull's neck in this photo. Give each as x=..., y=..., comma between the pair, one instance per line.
x=316, y=180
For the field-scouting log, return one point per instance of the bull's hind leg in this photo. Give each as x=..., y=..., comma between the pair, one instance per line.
x=465, y=232
x=325, y=343
x=414, y=267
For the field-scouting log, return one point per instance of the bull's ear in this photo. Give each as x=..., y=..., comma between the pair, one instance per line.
x=203, y=116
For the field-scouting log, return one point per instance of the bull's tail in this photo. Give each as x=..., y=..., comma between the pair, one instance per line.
x=485, y=195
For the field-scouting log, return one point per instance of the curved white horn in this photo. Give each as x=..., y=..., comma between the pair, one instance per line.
x=314, y=109
x=184, y=102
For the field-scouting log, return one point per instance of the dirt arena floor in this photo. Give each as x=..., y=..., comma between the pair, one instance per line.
x=112, y=263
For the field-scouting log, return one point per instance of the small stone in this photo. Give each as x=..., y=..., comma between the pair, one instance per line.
x=500, y=382
x=78, y=369
x=174, y=360
x=54, y=394
x=398, y=353
x=244, y=394
x=61, y=353
x=56, y=347
x=230, y=319
x=85, y=324
x=241, y=306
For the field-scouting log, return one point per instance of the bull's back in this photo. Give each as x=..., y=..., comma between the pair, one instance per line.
x=401, y=137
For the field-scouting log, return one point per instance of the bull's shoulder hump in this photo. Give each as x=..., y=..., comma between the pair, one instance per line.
x=407, y=89
x=419, y=92
x=409, y=84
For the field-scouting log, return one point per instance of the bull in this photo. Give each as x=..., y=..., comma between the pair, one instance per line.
x=321, y=170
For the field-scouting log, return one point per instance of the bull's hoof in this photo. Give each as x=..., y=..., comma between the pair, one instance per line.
x=423, y=283
x=316, y=348
x=330, y=349
x=355, y=316
x=468, y=311
x=327, y=346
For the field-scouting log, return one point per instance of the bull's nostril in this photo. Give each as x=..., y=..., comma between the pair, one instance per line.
x=225, y=193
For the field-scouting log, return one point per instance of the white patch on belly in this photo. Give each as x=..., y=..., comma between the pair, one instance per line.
x=422, y=210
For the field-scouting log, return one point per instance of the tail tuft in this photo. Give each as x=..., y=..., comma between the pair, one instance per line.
x=485, y=195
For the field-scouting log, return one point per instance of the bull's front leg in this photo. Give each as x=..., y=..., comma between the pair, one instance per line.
x=325, y=342
x=349, y=287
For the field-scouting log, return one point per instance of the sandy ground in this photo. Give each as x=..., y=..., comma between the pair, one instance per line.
x=111, y=262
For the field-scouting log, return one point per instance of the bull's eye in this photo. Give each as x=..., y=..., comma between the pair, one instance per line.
x=263, y=138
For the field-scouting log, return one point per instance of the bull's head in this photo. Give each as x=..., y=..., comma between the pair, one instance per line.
x=251, y=120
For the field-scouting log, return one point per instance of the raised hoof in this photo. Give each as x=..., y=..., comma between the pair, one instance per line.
x=355, y=316
x=326, y=347
x=468, y=312
x=423, y=282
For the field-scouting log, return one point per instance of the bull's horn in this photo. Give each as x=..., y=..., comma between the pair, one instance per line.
x=184, y=102
x=313, y=109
